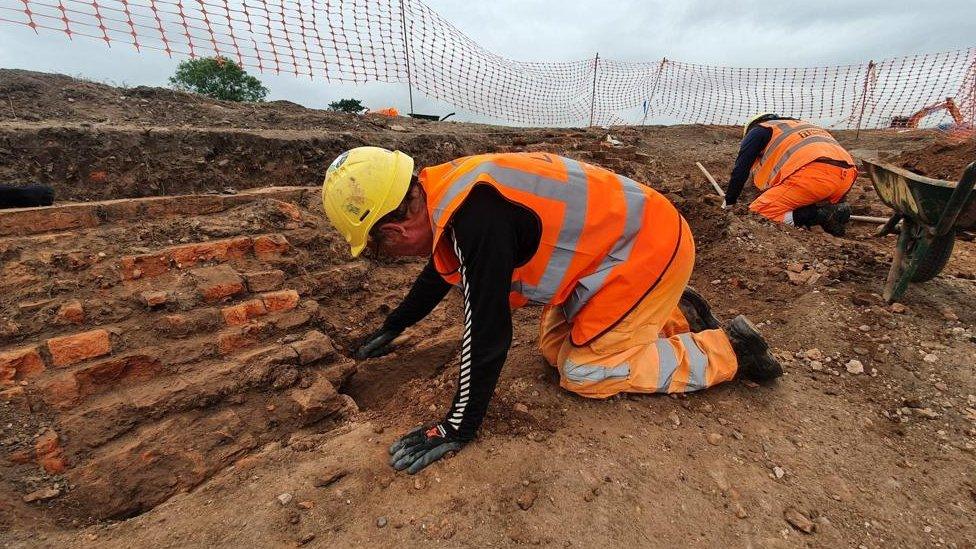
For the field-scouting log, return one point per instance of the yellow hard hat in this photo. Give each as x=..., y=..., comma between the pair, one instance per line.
x=757, y=118
x=361, y=186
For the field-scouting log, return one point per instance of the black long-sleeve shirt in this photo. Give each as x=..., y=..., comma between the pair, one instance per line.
x=492, y=236
x=752, y=146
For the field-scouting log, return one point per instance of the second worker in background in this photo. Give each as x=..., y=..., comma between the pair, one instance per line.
x=802, y=170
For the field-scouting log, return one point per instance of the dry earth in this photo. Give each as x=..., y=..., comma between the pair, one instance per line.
x=177, y=371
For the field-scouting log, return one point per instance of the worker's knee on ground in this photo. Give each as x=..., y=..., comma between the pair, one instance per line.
x=553, y=333
x=768, y=208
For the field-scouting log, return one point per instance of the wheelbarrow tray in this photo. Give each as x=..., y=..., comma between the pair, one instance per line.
x=922, y=198
x=931, y=211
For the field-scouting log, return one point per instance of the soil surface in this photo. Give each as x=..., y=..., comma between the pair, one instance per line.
x=867, y=441
x=945, y=159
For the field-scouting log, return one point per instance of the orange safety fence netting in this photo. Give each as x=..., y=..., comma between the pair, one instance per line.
x=404, y=41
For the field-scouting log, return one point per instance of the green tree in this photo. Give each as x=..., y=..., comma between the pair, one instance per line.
x=347, y=105
x=217, y=77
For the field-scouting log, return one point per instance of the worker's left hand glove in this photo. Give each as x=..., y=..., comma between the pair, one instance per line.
x=376, y=344
x=421, y=447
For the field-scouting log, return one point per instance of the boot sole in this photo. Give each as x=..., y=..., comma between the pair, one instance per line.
x=747, y=332
x=760, y=365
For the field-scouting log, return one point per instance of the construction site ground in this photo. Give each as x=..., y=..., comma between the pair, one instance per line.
x=176, y=372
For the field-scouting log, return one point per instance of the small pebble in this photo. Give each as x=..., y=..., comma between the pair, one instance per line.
x=381, y=522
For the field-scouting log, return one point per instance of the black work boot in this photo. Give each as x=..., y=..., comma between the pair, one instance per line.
x=752, y=352
x=697, y=311
x=834, y=217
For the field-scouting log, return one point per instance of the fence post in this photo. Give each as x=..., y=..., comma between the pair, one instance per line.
x=650, y=97
x=406, y=48
x=972, y=95
x=864, y=97
x=596, y=63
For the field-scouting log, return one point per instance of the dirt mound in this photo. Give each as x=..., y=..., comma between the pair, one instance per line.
x=36, y=97
x=193, y=350
x=945, y=159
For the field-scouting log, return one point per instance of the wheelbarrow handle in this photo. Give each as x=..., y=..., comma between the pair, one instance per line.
x=958, y=199
x=889, y=226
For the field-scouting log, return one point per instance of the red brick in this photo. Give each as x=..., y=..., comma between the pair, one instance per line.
x=270, y=246
x=49, y=454
x=19, y=364
x=217, y=250
x=290, y=210
x=49, y=218
x=216, y=283
x=264, y=281
x=61, y=392
x=109, y=373
x=75, y=348
x=242, y=313
x=317, y=402
x=71, y=312
x=282, y=300
x=238, y=338
x=315, y=346
x=184, y=324
x=134, y=267
x=171, y=323
x=153, y=298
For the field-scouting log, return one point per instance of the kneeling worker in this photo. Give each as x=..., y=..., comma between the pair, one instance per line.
x=609, y=258
x=802, y=170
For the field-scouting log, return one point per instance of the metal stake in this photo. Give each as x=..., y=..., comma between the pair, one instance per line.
x=406, y=47
x=596, y=62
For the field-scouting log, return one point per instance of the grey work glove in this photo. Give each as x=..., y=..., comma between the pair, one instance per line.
x=421, y=447
x=376, y=344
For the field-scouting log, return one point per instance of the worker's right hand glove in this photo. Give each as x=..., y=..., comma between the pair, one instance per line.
x=376, y=344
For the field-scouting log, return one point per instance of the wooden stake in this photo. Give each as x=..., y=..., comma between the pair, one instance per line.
x=711, y=179
x=869, y=219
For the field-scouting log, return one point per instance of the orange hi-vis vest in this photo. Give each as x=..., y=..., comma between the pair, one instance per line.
x=606, y=240
x=794, y=144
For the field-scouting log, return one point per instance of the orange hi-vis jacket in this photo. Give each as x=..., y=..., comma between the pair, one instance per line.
x=794, y=144
x=605, y=242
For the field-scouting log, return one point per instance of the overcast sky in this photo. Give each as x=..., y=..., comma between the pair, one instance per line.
x=743, y=33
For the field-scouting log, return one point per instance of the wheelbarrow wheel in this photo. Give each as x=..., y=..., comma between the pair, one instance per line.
x=936, y=258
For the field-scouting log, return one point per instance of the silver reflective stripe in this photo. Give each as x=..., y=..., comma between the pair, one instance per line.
x=573, y=193
x=585, y=373
x=634, y=200
x=667, y=364
x=773, y=145
x=787, y=131
x=802, y=143
x=697, y=363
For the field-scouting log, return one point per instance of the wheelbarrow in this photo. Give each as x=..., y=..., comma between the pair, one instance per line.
x=931, y=212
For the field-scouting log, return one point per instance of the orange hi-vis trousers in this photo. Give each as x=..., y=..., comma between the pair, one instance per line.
x=810, y=184
x=651, y=350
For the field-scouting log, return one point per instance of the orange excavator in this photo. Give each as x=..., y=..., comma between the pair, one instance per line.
x=912, y=121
